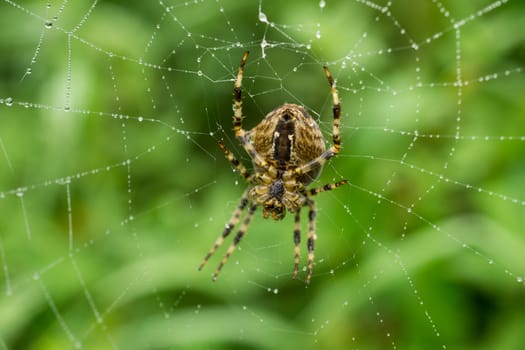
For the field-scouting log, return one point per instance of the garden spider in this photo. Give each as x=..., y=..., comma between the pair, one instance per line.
x=288, y=152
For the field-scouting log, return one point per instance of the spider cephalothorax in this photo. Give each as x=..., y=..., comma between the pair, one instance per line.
x=288, y=152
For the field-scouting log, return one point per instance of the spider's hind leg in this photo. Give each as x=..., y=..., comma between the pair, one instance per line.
x=336, y=136
x=242, y=135
x=237, y=97
x=336, y=110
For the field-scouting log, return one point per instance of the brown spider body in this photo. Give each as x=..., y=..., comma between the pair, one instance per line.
x=286, y=138
x=288, y=152
x=289, y=137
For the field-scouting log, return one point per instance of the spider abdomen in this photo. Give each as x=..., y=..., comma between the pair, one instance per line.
x=289, y=137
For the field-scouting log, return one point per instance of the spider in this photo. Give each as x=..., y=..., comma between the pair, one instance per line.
x=288, y=152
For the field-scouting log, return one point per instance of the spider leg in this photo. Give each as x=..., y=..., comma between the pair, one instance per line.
x=311, y=227
x=236, y=240
x=336, y=137
x=311, y=238
x=297, y=241
x=327, y=187
x=236, y=164
x=228, y=228
x=237, y=96
x=242, y=135
x=336, y=110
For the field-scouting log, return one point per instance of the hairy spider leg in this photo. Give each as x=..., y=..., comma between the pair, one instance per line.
x=311, y=238
x=336, y=110
x=327, y=187
x=240, y=133
x=311, y=231
x=297, y=241
x=336, y=137
x=227, y=228
x=236, y=164
x=237, y=96
x=240, y=234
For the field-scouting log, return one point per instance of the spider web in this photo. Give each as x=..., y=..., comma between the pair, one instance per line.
x=112, y=187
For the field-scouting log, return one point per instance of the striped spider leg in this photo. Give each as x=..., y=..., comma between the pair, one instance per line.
x=235, y=216
x=312, y=213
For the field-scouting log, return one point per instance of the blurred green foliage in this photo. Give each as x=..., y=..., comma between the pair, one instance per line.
x=112, y=187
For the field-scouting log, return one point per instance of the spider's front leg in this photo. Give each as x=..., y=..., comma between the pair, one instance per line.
x=228, y=228
x=311, y=238
x=240, y=234
x=297, y=241
x=311, y=228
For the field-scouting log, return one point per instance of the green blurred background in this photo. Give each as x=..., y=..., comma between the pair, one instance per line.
x=112, y=187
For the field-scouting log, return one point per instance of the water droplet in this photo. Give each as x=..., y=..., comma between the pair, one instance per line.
x=322, y=4
x=140, y=119
x=199, y=73
x=262, y=17
x=8, y=102
x=48, y=24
